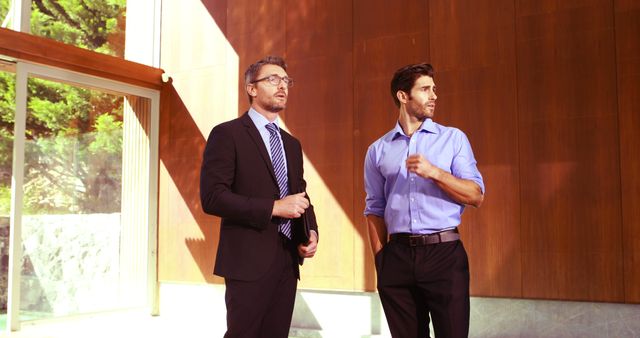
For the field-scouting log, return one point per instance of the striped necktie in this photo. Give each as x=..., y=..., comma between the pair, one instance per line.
x=277, y=159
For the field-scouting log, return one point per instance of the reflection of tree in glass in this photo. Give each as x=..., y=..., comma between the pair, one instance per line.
x=74, y=135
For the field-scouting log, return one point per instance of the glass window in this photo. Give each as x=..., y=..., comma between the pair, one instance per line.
x=4, y=13
x=7, y=114
x=73, y=231
x=97, y=25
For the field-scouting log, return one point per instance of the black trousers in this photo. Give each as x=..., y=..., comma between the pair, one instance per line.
x=415, y=281
x=264, y=308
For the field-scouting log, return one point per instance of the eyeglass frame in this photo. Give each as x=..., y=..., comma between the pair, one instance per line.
x=287, y=80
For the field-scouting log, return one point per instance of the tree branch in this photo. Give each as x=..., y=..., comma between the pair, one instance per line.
x=43, y=8
x=64, y=14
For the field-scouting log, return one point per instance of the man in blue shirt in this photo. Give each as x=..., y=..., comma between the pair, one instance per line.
x=418, y=179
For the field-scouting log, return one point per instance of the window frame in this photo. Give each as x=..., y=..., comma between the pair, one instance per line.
x=24, y=70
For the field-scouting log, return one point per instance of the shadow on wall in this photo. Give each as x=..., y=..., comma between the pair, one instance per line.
x=182, y=144
x=181, y=154
x=177, y=152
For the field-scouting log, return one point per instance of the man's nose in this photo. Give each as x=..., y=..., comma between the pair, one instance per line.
x=282, y=84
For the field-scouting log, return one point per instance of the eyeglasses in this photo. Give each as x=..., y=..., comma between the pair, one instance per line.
x=275, y=80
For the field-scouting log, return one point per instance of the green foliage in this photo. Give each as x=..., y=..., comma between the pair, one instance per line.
x=108, y=135
x=4, y=9
x=5, y=199
x=7, y=109
x=74, y=135
x=97, y=25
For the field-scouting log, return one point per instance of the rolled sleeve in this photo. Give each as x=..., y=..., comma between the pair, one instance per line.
x=464, y=164
x=373, y=185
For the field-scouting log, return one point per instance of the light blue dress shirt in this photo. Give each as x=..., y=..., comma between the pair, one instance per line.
x=407, y=202
x=261, y=123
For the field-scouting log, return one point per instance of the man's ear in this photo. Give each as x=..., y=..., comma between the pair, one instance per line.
x=402, y=96
x=251, y=90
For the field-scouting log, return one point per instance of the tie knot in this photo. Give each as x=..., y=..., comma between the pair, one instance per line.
x=272, y=128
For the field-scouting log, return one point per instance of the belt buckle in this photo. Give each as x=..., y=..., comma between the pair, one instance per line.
x=413, y=240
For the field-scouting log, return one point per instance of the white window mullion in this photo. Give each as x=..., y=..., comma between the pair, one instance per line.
x=152, y=273
x=21, y=15
x=17, y=194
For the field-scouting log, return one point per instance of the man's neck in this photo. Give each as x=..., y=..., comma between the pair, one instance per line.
x=408, y=123
x=269, y=115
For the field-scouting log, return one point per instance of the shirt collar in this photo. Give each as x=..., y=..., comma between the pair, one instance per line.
x=428, y=126
x=259, y=120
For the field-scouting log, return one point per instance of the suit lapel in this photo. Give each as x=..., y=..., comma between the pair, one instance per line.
x=257, y=140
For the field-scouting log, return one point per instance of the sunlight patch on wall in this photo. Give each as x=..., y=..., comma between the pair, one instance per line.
x=336, y=247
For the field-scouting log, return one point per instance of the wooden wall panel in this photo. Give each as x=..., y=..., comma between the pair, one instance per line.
x=202, y=93
x=627, y=17
x=570, y=190
x=545, y=90
x=473, y=52
x=254, y=29
x=31, y=48
x=319, y=54
x=387, y=36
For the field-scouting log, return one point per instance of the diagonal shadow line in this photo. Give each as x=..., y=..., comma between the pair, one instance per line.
x=182, y=158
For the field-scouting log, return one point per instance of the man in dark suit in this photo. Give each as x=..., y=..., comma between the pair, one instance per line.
x=252, y=177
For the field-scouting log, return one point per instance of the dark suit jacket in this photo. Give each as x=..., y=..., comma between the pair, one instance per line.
x=237, y=183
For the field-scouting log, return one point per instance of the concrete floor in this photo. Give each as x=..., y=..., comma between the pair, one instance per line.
x=198, y=312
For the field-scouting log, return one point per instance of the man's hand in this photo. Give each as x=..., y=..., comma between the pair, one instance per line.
x=308, y=250
x=461, y=190
x=421, y=166
x=292, y=206
x=377, y=230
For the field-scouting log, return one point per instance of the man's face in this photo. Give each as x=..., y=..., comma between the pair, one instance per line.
x=422, y=99
x=270, y=97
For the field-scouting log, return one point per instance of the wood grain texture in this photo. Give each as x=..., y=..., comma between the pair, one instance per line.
x=627, y=24
x=546, y=91
x=45, y=51
x=319, y=55
x=387, y=36
x=569, y=169
x=473, y=52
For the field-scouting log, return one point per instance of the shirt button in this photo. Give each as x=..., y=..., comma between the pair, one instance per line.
x=412, y=199
x=414, y=221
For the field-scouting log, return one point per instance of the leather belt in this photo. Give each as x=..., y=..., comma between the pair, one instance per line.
x=421, y=240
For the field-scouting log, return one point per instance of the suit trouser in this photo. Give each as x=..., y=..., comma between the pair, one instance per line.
x=263, y=308
x=414, y=281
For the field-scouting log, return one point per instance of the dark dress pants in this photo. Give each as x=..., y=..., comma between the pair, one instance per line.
x=264, y=308
x=415, y=281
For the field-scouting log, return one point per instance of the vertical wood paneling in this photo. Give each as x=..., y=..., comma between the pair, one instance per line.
x=255, y=29
x=473, y=52
x=389, y=36
x=627, y=18
x=570, y=190
x=203, y=92
x=134, y=244
x=546, y=91
x=319, y=55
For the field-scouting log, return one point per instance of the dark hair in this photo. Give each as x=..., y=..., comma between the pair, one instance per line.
x=252, y=72
x=405, y=77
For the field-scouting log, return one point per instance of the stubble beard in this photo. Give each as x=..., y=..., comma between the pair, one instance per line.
x=273, y=106
x=276, y=108
x=422, y=114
